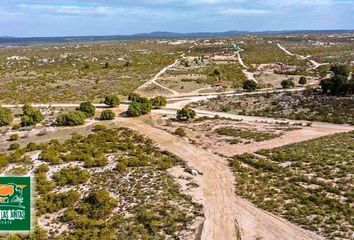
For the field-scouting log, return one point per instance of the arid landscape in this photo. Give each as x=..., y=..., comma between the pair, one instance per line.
x=246, y=137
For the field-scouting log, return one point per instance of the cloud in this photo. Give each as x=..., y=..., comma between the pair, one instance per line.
x=65, y=9
x=243, y=11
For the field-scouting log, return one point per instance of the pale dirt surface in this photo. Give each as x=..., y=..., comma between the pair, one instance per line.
x=227, y=215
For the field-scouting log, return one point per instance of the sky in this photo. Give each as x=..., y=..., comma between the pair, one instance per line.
x=39, y=18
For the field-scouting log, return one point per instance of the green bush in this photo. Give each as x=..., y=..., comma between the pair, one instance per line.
x=180, y=132
x=14, y=146
x=137, y=109
x=339, y=84
x=73, y=118
x=14, y=137
x=53, y=202
x=112, y=101
x=16, y=127
x=71, y=176
x=287, y=83
x=31, y=116
x=87, y=108
x=98, y=205
x=6, y=117
x=107, y=115
x=302, y=80
x=185, y=114
x=249, y=85
x=158, y=102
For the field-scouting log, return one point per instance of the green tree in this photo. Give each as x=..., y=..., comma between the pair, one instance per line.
x=340, y=70
x=87, y=108
x=287, y=83
x=6, y=117
x=302, y=80
x=107, y=115
x=249, y=85
x=112, y=101
x=339, y=83
x=185, y=114
x=139, y=106
x=159, y=102
x=73, y=118
x=101, y=204
x=31, y=116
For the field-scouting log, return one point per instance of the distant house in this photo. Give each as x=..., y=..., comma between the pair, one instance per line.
x=207, y=56
x=218, y=85
x=284, y=68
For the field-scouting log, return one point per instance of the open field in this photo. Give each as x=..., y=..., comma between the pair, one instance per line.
x=323, y=48
x=77, y=72
x=309, y=183
x=308, y=105
x=270, y=53
x=212, y=157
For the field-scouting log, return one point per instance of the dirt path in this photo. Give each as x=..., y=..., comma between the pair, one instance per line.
x=315, y=64
x=226, y=214
x=153, y=81
x=248, y=74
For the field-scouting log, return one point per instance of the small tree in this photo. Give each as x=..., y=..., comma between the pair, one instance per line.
x=139, y=106
x=73, y=118
x=6, y=117
x=158, y=102
x=302, y=80
x=287, y=83
x=185, y=114
x=249, y=85
x=137, y=109
x=107, y=115
x=112, y=101
x=133, y=97
x=31, y=116
x=87, y=108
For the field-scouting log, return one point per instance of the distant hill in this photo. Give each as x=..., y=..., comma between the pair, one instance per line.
x=13, y=41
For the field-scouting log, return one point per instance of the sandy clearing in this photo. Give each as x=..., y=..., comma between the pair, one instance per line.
x=224, y=211
x=290, y=137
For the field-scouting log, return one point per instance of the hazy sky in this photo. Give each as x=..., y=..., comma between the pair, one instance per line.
x=109, y=17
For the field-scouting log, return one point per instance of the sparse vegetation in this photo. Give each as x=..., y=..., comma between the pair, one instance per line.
x=308, y=105
x=303, y=181
x=71, y=176
x=238, y=134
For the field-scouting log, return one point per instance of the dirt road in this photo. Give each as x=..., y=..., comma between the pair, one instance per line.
x=248, y=74
x=227, y=216
x=153, y=80
x=315, y=64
